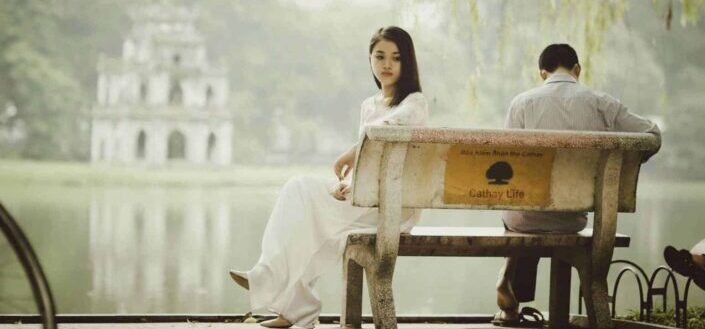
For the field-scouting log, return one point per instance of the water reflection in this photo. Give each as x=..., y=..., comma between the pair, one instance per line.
x=153, y=248
x=15, y=292
x=167, y=250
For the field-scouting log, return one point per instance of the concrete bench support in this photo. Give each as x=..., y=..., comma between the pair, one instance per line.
x=405, y=167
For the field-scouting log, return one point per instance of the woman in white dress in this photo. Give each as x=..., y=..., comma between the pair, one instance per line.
x=308, y=227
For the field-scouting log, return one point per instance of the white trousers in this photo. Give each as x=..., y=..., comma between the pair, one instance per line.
x=304, y=237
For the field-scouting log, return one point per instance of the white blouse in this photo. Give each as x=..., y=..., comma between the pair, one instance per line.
x=412, y=111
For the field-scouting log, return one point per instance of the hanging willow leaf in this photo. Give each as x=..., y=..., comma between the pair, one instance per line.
x=669, y=15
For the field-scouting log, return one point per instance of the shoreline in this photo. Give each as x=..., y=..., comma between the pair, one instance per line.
x=20, y=172
x=81, y=174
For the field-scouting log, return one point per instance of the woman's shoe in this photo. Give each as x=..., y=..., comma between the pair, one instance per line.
x=240, y=278
x=278, y=322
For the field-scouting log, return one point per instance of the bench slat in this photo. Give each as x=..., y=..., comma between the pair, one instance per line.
x=482, y=241
x=517, y=137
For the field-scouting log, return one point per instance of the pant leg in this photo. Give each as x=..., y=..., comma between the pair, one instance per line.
x=523, y=280
x=304, y=236
x=524, y=276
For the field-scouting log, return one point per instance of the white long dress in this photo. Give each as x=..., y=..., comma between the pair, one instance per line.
x=306, y=232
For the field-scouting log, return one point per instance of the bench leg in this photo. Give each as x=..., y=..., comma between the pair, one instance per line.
x=559, y=301
x=351, y=316
x=594, y=288
x=593, y=270
x=379, y=284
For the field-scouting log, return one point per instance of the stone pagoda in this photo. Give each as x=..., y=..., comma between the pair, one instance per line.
x=162, y=102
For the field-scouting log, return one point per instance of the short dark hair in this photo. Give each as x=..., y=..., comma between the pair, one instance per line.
x=558, y=54
x=409, y=78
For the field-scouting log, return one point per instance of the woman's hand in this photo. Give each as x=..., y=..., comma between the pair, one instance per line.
x=344, y=164
x=340, y=191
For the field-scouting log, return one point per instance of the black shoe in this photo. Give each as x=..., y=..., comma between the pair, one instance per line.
x=529, y=317
x=680, y=261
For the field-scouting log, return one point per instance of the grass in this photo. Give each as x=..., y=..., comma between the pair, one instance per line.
x=696, y=317
x=86, y=174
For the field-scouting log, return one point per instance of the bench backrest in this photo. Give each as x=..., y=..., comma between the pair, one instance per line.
x=499, y=169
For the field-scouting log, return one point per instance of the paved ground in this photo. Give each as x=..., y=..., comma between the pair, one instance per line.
x=577, y=320
x=229, y=326
x=193, y=325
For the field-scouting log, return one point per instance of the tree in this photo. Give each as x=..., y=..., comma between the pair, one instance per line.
x=31, y=80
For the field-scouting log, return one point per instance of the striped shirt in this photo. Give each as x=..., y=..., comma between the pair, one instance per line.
x=564, y=104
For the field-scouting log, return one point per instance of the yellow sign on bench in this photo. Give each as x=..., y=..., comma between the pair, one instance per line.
x=488, y=175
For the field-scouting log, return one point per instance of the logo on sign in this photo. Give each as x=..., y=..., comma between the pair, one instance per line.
x=499, y=173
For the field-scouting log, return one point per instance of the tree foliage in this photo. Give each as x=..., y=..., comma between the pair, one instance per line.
x=309, y=60
x=30, y=78
x=47, y=57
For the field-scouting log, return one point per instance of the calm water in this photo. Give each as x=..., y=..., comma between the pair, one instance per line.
x=168, y=249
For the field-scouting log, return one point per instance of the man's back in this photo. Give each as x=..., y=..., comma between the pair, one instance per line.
x=564, y=104
x=560, y=104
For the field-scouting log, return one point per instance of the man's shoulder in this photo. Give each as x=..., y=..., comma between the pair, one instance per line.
x=576, y=90
x=581, y=90
x=604, y=96
x=600, y=98
x=523, y=97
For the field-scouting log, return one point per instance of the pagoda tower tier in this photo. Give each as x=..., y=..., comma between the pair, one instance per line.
x=162, y=101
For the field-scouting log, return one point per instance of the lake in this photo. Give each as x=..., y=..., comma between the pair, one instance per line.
x=167, y=249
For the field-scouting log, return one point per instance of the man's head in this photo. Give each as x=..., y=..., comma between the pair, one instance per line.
x=559, y=57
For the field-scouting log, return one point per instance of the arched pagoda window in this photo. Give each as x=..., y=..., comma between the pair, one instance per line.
x=211, y=146
x=176, y=145
x=141, y=145
x=143, y=92
x=209, y=95
x=176, y=95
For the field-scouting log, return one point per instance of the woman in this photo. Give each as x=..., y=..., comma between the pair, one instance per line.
x=306, y=232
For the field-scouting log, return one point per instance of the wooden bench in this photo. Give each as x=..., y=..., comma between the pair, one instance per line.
x=409, y=167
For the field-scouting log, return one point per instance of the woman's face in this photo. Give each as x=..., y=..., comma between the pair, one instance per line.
x=386, y=65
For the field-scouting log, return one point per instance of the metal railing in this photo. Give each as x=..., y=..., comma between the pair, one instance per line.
x=33, y=270
x=646, y=299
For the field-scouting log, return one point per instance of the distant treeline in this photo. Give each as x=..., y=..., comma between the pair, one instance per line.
x=309, y=62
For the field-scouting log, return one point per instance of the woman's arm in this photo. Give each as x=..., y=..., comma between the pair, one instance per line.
x=345, y=162
x=342, y=167
x=413, y=110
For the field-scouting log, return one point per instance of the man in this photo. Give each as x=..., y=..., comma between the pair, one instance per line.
x=561, y=103
x=690, y=264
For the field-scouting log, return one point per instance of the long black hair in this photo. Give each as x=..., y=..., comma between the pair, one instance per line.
x=409, y=78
